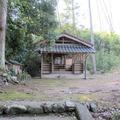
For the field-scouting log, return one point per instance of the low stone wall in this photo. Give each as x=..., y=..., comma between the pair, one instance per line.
x=15, y=108
x=36, y=107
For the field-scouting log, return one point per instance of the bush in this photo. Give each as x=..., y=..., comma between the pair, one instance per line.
x=23, y=76
x=32, y=64
x=106, y=61
x=116, y=116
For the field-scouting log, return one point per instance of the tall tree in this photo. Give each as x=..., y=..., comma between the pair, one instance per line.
x=71, y=11
x=28, y=21
x=3, y=15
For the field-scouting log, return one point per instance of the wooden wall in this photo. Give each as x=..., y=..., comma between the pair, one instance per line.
x=76, y=67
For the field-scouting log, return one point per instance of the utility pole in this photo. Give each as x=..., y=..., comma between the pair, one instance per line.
x=92, y=37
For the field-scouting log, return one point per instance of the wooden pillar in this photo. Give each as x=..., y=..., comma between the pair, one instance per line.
x=41, y=66
x=73, y=63
x=65, y=61
x=85, y=70
x=52, y=63
x=85, y=67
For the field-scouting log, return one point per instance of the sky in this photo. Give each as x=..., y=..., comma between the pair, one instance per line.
x=105, y=14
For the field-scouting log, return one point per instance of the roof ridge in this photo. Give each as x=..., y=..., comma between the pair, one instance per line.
x=76, y=37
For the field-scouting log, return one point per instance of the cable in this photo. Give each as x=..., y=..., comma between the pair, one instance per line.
x=106, y=14
x=99, y=15
x=109, y=18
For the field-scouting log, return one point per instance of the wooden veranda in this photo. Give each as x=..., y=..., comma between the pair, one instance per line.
x=67, y=55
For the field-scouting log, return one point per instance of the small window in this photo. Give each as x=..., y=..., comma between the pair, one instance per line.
x=59, y=60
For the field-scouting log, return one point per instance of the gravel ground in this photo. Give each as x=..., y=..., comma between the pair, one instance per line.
x=49, y=117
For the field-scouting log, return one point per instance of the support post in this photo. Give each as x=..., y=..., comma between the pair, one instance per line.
x=41, y=66
x=52, y=64
x=85, y=67
x=85, y=76
x=73, y=63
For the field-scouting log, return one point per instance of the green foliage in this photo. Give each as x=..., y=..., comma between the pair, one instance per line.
x=107, y=51
x=30, y=21
x=107, y=48
x=2, y=70
x=23, y=76
x=116, y=116
x=83, y=33
x=25, y=20
x=106, y=61
x=32, y=63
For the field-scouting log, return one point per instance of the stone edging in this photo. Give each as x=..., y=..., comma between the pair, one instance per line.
x=46, y=107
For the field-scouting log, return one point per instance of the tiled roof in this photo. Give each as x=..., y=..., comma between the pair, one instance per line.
x=66, y=48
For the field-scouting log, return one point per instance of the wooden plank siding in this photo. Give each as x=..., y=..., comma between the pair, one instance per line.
x=46, y=68
x=76, y=67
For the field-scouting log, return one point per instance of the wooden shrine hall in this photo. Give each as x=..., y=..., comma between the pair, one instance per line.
x=67, y=55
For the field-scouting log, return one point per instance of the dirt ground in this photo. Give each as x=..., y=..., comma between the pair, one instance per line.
x=104, y=89
x=49, y=117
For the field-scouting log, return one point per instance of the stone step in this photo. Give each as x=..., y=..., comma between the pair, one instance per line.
x=82, y=112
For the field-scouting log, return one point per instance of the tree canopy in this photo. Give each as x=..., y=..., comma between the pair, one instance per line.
x=29, y=21
x=26, y=20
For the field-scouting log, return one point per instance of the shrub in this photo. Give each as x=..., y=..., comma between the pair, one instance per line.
x=23, y=76
x=32, y=64
x=105, y=62
x=116, y=116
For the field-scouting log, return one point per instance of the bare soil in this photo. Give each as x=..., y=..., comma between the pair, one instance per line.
x=47, y=117
x=103, y=88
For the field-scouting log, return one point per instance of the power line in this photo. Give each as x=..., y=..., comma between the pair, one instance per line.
x=109, y=4
x=99, y=15
x=104, y=12
x=109, y=17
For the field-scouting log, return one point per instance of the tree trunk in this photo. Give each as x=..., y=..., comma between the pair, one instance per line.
x=3, y=15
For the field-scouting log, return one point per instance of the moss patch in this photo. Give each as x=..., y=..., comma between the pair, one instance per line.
x=14, y=95
x=84, y=97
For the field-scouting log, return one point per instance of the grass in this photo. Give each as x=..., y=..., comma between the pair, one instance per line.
x=14, y=95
